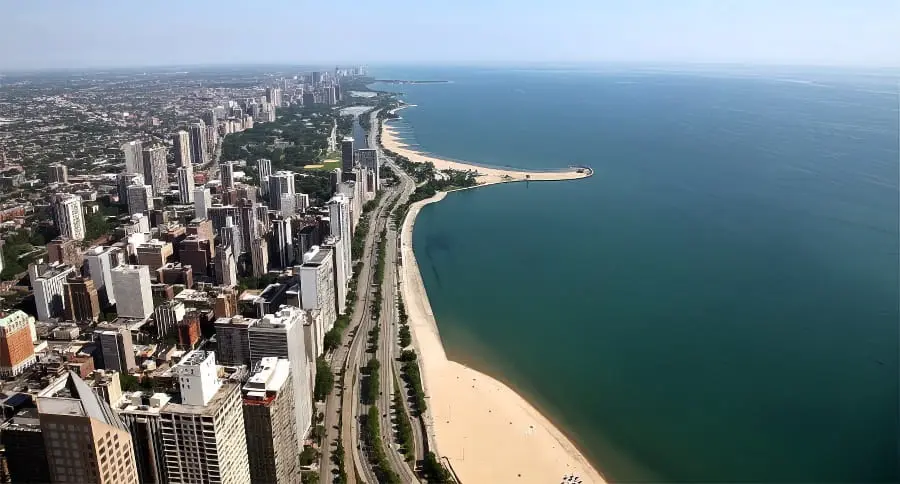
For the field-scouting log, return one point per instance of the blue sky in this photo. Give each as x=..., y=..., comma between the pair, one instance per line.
x=98, y=33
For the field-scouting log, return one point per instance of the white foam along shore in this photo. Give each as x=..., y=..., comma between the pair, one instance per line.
x=481, y=427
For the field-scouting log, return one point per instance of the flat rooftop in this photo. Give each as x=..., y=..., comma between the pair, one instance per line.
x=208, y=410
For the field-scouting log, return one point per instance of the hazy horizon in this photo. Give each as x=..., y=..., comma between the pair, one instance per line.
x=829, y=33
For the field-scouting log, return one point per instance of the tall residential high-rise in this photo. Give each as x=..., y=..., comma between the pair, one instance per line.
x=226, y=266
x=199, y=152
x=16, y=345
x=140, y=413
x=117, y=348
x=219, y=214
x=185, y=177
x=155, y=169
x=181, y=141
x=273, y=95
x=131, y=286
x=57, y=173
x=134, y=162
x=140, y=198
x=368, y=159
x=226, y=174
x=264, y=169
x=68, y=216
x=281, y=335
x=230, y=235
x=82, y=299
x=233, y=340
x=339, y=215
x=189, y=330
x=270, y=422
x=280, y=183
x=100, y=261
x=86, y=441
x=259, y=257
x=341, y=266
x=202, y=202
x=203, y=436
x=64, y=250
x=347, y=154
x=48, y=282
x=125, y=180
x=282, y=243
x=317, y=284
x=249, y=223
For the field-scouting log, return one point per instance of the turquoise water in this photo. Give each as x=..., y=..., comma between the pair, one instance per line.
x=718, y=303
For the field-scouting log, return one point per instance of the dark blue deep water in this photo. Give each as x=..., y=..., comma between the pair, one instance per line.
x=718, y=303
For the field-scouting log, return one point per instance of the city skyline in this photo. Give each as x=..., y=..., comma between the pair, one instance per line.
x=826, y=33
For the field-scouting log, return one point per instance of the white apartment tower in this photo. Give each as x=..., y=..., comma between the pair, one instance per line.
x=68, y=216
x=100, y=262
x=280, y=335
x=203, y=437
x=155, y=169
x=341, y=266
x=131, y=286
x=134, y=162
x=317, y=291
x=339, y=215
x=182, y=143
x=49, y=291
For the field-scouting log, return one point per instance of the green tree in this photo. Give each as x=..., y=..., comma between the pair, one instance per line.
x=324, y=379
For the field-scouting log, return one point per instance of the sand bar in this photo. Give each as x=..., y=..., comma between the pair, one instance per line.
x=485, y=430
x=486, y=175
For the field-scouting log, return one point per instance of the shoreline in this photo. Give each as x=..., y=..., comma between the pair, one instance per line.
x=486, y=175
x=470, y=412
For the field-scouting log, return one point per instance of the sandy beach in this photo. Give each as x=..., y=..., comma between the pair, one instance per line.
x=486, y=176
x=485, y=430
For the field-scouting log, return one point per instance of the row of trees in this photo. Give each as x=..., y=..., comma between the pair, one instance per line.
x=324, y=379
x=371, y=433
x=404, y=427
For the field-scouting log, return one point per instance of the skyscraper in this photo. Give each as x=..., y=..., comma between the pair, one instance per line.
x=317, y=284
x=281, y=335
x=368, y=159
x=167, y=316
x=182, y=143
x=273, y=95
x=100, y=261
x=125, y=180
x=282, y=243
x=270, y=422
x=202, y=202
x=134, y=162
x=226, y=174
x=140, y=199
x=259, y=253
x=68, y=216
x=49, y=291
x=117, y=348
x=82, y=299
x=347, y=154
x=16, y=346
x=339, y=214
x=155, y=169
x=264, y=167
x=140, y=412
x=280, y=183
x=185, y=176
x=341, y=266
x=226, y=266
x=199, y=152
x=86, y=441
x=58, y=173
x=203, y=436
x=233, y=340
x=131, y=285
